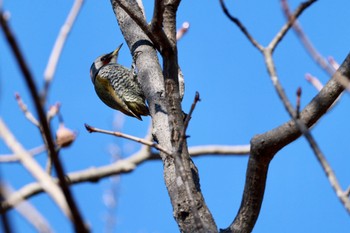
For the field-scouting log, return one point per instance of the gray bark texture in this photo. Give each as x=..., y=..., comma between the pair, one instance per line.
x=161, y=89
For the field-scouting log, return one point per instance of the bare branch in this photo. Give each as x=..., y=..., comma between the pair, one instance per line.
x=182, y=31
x=189, y=115
x=123, y=166
x=58, y=47
x=14, y=158
x=319, y=59
x=53, y=111
x=298, y=103
x=25, y=110
x=91, y=129
x=241, y=27
x=28, y=211
x=333, y=63
x=78, y=221
x=303, y=6
x=265, y=146
x=213, y=150
x=92, y=174
x=314, y=81
x=34, y=168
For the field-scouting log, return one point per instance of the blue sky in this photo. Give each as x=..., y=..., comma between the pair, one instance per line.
x=238, y=101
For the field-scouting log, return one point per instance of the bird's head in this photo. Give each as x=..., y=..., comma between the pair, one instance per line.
x=103, y=60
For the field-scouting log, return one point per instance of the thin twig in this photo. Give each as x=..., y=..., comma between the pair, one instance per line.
x=303, y=6
x=91, y=129
x=333, y=63
x=319, y=59
x=245, y=219
x=240, y=26
x=189, y=115
x=304, y=129
x=15, y=158
x=314, y=81
x=77, y=219
x=28, y=211
x=53, y=111
x=58, y=47
x=298, y=103
x=182, y=31
x=25, y=110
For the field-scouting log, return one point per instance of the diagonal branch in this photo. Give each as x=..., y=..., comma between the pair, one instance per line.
x=265, y=146
x=28, y=211
x=320, y=60
x=58, y=47
x=34, y=168
x=303, y=6
x=78, y=221
x=241, y=26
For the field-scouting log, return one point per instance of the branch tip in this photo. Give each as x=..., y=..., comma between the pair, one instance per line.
x=89, y=128
x=197, y=97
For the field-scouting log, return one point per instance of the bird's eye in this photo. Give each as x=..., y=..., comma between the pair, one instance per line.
x=103, y=59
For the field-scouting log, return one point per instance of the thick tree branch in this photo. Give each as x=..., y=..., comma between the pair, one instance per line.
x=136, y=14
x=167, y=119
x=265, y=146
x=259, y=159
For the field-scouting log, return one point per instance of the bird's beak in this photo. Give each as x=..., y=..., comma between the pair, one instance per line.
x=115, y=52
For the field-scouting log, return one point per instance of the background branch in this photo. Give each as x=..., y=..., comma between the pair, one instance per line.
x=77, y=219
x=58, y=47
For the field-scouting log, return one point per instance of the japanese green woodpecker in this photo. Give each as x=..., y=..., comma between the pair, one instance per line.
x=117, y=86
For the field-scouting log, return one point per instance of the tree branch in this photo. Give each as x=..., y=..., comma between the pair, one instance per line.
x=29, y=212
x=123, y=166
x=136, y=14
x=162, y=94
x=265, y=146
x=77, y=219
x=240, y=26
x=58, y=47
x=91, y=129
x=34, y=168
x=319, y=59
x=303, y=6
x=262, y=151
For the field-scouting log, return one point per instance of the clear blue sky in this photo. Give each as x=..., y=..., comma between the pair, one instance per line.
x=238, y=101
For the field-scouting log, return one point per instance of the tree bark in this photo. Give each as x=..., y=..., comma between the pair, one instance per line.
x=161, y=89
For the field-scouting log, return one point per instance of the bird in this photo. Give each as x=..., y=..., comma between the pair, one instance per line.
x=117, y=86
